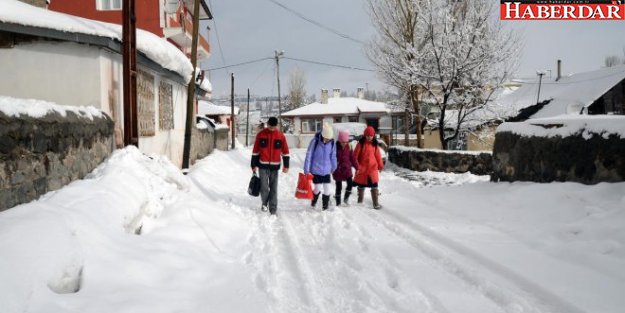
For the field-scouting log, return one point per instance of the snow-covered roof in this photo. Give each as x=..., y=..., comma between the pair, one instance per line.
x=38, y=108
x=339, y=106
x=569, y=94
x=157, y=49
x=567, y=125
x=208, y=108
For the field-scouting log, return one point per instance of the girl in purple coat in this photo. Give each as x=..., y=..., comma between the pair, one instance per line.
x=321, y=162
x=345, y=161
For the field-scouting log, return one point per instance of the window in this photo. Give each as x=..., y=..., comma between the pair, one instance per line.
x=166, y=107
x=353, y=119
x=108, y=5
x=337, y=120
x=311, y=125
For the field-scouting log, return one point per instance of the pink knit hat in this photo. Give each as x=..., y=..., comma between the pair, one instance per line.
x=343, y=136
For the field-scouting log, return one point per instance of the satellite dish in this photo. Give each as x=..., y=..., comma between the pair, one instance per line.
x=171, y=6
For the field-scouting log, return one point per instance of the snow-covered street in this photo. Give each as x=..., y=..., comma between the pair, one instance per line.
x=138, y=236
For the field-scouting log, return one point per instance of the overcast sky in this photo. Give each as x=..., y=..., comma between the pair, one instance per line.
x=253, y=29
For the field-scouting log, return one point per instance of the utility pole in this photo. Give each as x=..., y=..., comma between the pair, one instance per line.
x=232, y=107
x=247, y=123
x=186, y=152
x=278, y=54
x=131, y=129
x=540, y=80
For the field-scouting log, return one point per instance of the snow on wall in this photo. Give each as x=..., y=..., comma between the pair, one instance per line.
x=15, y=107
x=568, y=125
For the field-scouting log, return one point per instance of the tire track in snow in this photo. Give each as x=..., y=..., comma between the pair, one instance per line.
x=447, y=253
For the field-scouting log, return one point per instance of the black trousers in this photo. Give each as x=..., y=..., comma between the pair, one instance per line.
x=348, y=186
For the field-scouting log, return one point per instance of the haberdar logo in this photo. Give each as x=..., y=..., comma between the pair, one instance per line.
x=562, y=10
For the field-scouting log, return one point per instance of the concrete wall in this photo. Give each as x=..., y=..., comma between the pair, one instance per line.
x=587, y=160
x=44, y=154
x=81, y=75
x=441, y=161
x=202, y=144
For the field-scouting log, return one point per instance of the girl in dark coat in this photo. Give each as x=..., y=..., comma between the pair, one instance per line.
x=345, y=161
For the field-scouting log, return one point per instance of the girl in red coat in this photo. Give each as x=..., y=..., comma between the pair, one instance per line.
x=369, y=158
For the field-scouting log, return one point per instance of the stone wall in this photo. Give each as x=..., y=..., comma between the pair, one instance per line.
x=38, y=155
x=202, y=144
x=595, y=158
x=441, y=161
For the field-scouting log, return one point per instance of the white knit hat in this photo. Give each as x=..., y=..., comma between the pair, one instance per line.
x=327, y=131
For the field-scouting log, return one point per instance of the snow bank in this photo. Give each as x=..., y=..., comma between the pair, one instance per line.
x=38, y=108
x=84, y=239
x=404, y=148
x=156, y=48
x=568, y=125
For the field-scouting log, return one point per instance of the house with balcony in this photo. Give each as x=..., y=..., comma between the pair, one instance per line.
x=171, y=19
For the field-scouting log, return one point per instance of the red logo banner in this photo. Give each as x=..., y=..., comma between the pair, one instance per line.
x=563, y=10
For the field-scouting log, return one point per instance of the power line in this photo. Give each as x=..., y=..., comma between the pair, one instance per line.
x=317, y=23
x=239, y=64
x=221, y=52
x=329, y=64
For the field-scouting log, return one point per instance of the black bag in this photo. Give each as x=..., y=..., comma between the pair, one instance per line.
x=254, y=188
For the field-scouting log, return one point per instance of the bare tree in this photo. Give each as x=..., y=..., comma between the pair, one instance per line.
x=297, y=89
x=458, y=56
x=396, y=27
x=612, y=60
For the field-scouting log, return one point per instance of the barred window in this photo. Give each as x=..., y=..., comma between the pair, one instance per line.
x=166, y=107
x=145, y=104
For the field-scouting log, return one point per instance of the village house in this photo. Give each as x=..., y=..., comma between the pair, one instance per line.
x=588, y=93
x=308, y=120
x=221, y=114
x=76, y=61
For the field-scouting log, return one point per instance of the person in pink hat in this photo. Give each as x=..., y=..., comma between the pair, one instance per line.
x=345, y=161
x=369, y=158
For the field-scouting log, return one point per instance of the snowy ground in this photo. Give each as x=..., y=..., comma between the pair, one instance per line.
x=137, y=236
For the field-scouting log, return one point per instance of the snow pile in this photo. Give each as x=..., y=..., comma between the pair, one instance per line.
x=569, y=125
x=39, y=108
x=404, y=148
x=156, y=48
x=135, y=236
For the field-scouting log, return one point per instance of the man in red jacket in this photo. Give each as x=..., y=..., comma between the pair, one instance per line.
x=270, y=146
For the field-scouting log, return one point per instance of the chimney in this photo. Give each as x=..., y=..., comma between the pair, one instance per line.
x=360, y=92
x=324, y=96
x=559, y=73
x=337, y=92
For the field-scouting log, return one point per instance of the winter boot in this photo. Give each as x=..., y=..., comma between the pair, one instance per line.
x=325, y=201
x=315, y=198
x=346, y=198
x=374, y=197
x=361, y=195
x=337, y=198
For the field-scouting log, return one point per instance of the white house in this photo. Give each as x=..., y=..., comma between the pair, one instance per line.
x=75, y=61
x=309, y=119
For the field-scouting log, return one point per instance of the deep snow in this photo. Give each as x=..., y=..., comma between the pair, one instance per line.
x=138, y=236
